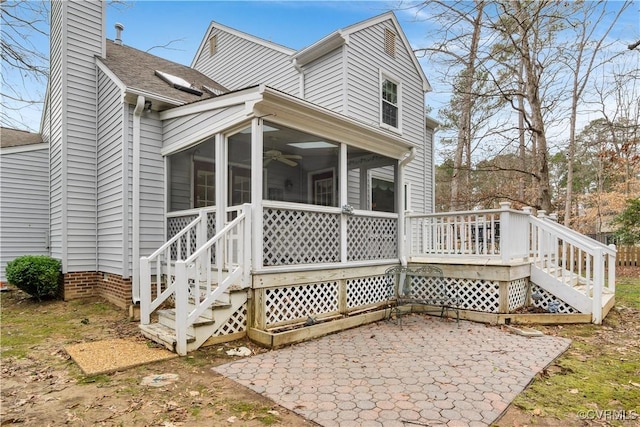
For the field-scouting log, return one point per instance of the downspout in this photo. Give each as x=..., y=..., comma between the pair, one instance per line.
x=301, y=78
x=135, y=279
x=402, y=244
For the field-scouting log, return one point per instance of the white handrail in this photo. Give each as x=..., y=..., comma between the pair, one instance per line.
x=552, y=242
x=198, y=269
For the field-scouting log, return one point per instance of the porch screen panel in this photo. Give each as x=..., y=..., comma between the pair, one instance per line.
x=294, y=237
x=192, y=177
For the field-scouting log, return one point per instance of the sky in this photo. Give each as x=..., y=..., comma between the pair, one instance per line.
x=292, y=23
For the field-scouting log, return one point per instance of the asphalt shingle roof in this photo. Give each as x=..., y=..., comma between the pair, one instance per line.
x=16, y=138
x=136, y=69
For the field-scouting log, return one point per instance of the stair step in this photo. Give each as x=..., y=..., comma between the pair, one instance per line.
x=162, y=334
x=171, y=315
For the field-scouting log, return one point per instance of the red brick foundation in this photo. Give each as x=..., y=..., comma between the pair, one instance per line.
x=87, y=284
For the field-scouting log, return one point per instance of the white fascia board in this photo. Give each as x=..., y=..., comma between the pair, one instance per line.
x=291, y=111
x=222, y=101
x=271, y=45
x=44, y=109
x=101, y=65
x=24, y=148
x=319, y=48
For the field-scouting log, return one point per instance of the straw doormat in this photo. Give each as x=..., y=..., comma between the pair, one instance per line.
x=100, y=357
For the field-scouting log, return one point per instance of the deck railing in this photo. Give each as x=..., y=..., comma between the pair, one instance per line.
x=573, y=259
x=192, y=265
x=506, y=235
x=500, y=234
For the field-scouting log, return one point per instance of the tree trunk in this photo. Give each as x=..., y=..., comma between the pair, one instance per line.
x=462, y=159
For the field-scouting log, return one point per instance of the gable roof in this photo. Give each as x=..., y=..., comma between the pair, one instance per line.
x=136, y=70
x=255, y=39
x=18, y=138
x=339, y=37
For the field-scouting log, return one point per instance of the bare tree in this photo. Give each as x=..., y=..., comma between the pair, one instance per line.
x=24, y=28
x=582, y=60
x=460, y=43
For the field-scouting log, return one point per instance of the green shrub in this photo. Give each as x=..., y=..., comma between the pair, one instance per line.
x=37, y=275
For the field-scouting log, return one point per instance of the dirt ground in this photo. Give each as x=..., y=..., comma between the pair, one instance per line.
x=42, y=386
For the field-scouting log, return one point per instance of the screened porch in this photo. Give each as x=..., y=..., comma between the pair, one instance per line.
x=315, y=201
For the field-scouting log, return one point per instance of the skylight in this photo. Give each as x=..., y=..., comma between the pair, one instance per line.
x=178, y=83
x=312, y=144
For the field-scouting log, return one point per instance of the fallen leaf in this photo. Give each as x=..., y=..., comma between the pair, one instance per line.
x=574, y=391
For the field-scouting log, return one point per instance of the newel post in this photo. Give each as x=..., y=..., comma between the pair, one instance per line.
x=505, y=232
x=145, y=291
x=247, y=262
x=182, y=303
x=598, y=283
x=611, y=268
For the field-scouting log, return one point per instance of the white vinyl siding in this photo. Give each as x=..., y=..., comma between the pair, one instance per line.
x=323, y=81
x=73, y=148
x=193, y=128
x=366, y=62
x=110, y=177
x=54, y=123
x=84, y=41
x=152, y=187
x=239, y=63
x=24, y=205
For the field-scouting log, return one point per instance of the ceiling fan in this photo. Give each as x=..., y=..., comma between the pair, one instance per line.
x=278, y=156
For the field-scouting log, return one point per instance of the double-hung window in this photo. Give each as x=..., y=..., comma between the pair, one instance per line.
x=390, y=103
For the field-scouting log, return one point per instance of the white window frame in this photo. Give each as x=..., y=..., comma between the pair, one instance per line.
x=384, y=75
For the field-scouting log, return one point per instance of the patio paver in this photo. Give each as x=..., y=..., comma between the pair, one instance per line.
x=429, y=371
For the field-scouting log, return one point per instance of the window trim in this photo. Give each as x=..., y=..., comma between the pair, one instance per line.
x=384, y=75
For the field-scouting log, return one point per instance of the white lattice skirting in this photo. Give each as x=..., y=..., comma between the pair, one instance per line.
x=518, y=293
x=546, y=299
x=237, y=322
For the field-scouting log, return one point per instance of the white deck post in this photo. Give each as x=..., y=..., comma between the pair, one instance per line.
x=145, y=291
x=598, y=282
x=221, y=195
x=256, y=191
x=182, y=300
x=344, y=200
x=611, y=265
x=201, y=239
x=505, y=232
x=246, y=246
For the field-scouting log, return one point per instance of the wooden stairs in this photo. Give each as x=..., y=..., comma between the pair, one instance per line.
x=208, y=329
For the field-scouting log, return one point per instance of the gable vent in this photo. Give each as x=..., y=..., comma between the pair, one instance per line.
x=213, y=45
x=389, y=42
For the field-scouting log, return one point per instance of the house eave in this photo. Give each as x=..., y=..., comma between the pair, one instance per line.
x=282, y=108
x=319, y=49
x=24, y=148
x=279, y=107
